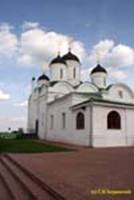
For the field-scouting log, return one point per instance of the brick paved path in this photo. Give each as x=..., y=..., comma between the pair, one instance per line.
x=74, y=174
x=17, y=184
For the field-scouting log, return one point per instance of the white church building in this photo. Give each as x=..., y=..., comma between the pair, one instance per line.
x=65, y=109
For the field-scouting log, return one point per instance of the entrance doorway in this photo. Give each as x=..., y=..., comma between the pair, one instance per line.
x=36, y=126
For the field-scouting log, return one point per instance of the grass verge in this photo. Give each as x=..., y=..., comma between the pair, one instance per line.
x=27, y=146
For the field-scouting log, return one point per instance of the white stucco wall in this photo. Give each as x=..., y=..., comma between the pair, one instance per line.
x=42, y=117
x=55, y=71
x=32, y=114
x=71, y=65
x=78, y=98
x=87, y=87
x=130, y=127
x=103, y=137
x=113, y=93
x=99, y=79
x=37, y=110
x=69, y=134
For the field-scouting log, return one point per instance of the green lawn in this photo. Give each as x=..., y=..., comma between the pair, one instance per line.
x=27, y=146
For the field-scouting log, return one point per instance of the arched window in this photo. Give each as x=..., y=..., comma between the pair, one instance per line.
x=74, y=72
x=113, y=120
x=120, y=93
x=63, y=120
x=80, y=121
x=61, y=73
x=36, y=126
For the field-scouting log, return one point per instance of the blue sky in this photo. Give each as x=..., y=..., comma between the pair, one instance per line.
x=95, y=25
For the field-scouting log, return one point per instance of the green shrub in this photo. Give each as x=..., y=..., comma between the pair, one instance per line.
x=19, y=136
x=7, y=136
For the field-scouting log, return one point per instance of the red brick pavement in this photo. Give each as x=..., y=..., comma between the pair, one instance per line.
x=74, y=174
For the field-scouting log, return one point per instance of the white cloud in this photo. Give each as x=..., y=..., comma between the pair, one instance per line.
x=100, y=50
x=22, y=104
x=85, y=74
x=8, y=41
x=112, y=55
x=117, y=74
x=38, y=46
x=114, y=73
x=4, y=96
x=30, y=25
x=120, y=56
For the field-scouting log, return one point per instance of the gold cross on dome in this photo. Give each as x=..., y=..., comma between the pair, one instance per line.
x=58, y=53
x=98, y=57
x=70, y=42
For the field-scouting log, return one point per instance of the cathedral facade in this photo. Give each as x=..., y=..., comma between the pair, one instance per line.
x=64, y=109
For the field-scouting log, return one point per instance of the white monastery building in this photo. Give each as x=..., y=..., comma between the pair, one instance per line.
x=92, y=113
